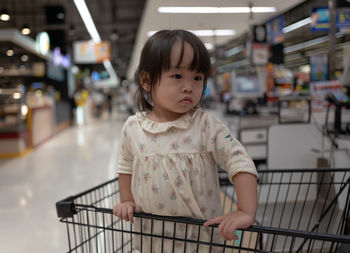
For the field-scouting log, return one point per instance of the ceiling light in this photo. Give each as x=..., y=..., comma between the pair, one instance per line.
x=25, y=30
x=4, y=15
x=297, y=25
x=233, y=51
x=60, y=15
x=16, y=95
x=24, y=58
x=88, y=22
x=109, y=68
x=309, y=43
x=10, y=52
x=209, y=46
x=203, y=33
x=173, y=9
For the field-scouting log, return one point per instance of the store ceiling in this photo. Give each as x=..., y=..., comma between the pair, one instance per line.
x=132, y=19
x=120, y=16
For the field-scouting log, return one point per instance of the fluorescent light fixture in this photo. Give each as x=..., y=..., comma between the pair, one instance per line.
x=309, y=43
x=297, y=25
x=209, y=46
x=203, y=33
x=108, y=65
x=233, y=51
x=178, y=9
x=88, y=22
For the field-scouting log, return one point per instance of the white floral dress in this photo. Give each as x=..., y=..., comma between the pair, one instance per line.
x=174, y=170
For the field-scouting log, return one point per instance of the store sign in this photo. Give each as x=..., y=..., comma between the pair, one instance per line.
x=319, y=67
x=42, y=43
x=260, y=54
x=89, y=52
x=320, y=20
x=343, y=21
x=274, y=33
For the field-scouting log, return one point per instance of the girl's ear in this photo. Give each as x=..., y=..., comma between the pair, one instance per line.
x=145, y=81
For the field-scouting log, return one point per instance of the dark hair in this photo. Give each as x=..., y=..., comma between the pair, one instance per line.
x=155, y=58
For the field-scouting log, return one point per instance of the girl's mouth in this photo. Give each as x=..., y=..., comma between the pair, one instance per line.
x=186, y=100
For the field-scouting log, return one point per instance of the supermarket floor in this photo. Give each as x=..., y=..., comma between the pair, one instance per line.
x=73, y=161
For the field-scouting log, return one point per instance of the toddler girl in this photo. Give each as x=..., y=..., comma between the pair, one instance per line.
x=171, y=149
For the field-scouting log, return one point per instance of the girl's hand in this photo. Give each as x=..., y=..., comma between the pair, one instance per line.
x=125, y=210
x=230, y=222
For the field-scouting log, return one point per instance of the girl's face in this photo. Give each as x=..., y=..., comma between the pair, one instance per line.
x=179, y=89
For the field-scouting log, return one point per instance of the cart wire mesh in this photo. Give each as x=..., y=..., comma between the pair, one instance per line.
x=299, y=210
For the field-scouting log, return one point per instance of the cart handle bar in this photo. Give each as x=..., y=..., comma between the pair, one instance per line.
x=200, y=222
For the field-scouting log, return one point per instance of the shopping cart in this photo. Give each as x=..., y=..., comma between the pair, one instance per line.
x=300, y=210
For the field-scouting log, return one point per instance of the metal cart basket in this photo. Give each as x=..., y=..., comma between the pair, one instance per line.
x=299, y=210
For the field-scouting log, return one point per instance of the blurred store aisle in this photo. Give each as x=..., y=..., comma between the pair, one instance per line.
x=75, y=160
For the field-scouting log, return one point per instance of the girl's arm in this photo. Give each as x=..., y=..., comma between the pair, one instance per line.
x=125, y=209
x=246, y=191
x=125, y=188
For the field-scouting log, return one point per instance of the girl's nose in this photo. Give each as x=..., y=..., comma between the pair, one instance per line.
x=187, y=87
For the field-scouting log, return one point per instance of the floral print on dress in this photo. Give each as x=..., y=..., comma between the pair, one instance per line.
x=203, y=209
x=178, y=181
x=174, y=146
x=196, y=171
x=188, y=200
x=147, y=176
x=187, y=140
x=237, y=152
x=165, y=176
x=155, y=189
x=229, y=138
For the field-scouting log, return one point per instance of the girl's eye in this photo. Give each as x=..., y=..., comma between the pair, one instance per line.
x=198, y=78
x=177, y=76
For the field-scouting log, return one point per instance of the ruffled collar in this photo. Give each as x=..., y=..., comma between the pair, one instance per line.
x=159, y=127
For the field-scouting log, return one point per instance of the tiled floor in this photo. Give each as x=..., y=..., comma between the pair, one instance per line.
x=74, y=160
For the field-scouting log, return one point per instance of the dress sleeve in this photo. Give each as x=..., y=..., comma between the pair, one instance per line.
x=125, y=159
x=228, y=153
